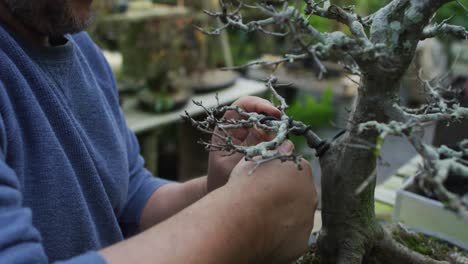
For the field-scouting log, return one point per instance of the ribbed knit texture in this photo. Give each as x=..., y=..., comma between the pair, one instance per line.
x=71, y=177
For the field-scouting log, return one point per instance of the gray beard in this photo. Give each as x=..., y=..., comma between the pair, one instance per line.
x=50, y=18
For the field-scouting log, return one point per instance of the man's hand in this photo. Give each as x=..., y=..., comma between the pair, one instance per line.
x=219, y=165
x=287, y=200
x=264, y=217
x=171, y=198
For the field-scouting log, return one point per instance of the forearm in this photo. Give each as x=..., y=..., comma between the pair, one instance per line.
x=170, y=199
x=220, y=228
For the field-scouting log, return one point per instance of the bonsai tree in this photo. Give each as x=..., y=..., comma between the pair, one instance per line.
x=379, y=48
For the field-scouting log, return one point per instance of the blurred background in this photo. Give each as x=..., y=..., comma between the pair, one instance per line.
x=162, y=62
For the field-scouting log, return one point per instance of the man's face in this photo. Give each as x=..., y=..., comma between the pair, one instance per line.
x=52, y=18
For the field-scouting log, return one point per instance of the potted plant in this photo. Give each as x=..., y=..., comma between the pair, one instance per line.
x=157, y=46
x=419, y=208
x=379, y=48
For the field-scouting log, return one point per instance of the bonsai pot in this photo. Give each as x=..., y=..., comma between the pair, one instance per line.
x=170, y=98
x=211, y=80
x=429, y=216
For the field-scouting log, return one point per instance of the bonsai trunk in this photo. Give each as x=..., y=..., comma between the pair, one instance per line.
x=350, y=232
x=349, y=226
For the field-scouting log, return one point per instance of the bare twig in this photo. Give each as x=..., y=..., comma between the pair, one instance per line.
x=324, y=46
x=445, y=29
x=289, y=58
x=438, y=163
x=216, y=125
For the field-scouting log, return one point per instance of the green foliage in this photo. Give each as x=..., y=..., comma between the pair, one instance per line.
x=321, y=24
x=313, y=112
x=366, y=7
x=316, y=113
x=243, y=47
x=416, y=242
x=249, y=46
x=431, y=246
x=454, y=9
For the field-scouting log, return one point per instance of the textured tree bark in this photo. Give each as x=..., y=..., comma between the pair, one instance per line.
x=350, y=232
x=388, y=251
x=349, y=225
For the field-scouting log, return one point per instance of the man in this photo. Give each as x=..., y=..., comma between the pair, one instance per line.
x=72, y=183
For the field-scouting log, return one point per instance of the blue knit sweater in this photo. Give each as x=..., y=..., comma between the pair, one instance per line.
x=71, y=177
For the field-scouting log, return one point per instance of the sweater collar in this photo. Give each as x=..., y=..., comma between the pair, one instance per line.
x=44, y=53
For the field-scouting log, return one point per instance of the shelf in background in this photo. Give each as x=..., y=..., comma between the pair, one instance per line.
x=140, y=121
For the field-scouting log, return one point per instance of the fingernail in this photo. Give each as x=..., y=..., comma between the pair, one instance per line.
x=286, y=147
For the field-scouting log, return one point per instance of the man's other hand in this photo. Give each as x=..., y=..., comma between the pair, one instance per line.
x=220, y=165
x=261, y=217
x=286, y=199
